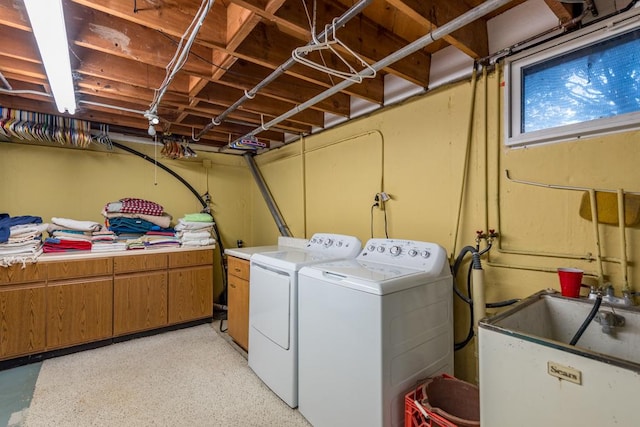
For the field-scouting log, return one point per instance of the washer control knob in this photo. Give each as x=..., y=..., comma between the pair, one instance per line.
x=380, y=249
x=395, y=250
x=425, y=254
x=339, y=243
x=328, y=243
x=371, y=248
x=413, y=252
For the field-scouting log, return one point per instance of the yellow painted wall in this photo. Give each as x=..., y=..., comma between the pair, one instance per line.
x=50, y=181
x=417, y=150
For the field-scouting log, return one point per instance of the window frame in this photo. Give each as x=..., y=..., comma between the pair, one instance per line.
x=596, y=33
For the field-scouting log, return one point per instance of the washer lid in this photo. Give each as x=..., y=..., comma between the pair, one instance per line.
x=292, y=259
x=364, y=270
x=369, y=277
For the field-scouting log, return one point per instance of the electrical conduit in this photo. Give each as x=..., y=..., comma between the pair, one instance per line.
x=453, y=25
x=266, y=194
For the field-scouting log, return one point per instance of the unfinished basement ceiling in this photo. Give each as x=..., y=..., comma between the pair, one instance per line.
x=120, y=50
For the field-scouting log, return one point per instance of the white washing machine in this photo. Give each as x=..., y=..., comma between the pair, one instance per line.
x=369, y=329
x=273, y=308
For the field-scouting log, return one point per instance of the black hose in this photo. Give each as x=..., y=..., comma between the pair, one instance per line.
x=587, y=321
x=470, y=334
x=500, y=304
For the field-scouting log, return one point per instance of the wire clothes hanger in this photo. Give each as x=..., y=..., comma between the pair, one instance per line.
x=329, y=44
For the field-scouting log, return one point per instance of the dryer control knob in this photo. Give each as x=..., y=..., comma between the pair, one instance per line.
x=425, y=254
x=328, y=243
x=380, y=249
x=395, y=250
x=339, y=243
x=371, y=248
x=413, y=253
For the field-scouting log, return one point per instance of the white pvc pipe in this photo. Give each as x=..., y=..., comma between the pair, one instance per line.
x=479, y=307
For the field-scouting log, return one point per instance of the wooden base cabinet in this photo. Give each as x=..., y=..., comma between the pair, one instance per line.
x=62, y=303
x=79, y=302
x=139, y=293
x=190, y=286
x=190, y=294
x=79, y=312
x=22, y=310
x=139, y=302
x=238, y=301
x=22, y=320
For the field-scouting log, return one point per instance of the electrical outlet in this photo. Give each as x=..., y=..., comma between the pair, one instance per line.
x=380, y=199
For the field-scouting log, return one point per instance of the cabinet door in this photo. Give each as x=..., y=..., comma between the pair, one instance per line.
x=79, y=312
x=139, y=302
x=190, y=294
x=238, y=311
x=22, y=320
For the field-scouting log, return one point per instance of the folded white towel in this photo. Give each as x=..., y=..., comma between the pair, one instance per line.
x=77, y=225
x=194, y=235
x=21, y=229
x=201, y=242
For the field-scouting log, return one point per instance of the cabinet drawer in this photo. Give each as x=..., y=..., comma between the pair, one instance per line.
x=79, y=268
x=16, y=274
x=238, y=267
x=141, y=262
x=190, y=258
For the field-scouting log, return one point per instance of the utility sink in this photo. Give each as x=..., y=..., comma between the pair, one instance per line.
x=531, y=376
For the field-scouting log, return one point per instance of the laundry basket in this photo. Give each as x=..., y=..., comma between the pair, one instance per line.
x=443, y=401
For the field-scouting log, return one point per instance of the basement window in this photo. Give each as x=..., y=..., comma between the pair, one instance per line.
x=585, y=84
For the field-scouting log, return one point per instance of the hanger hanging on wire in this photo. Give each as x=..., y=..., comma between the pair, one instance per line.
x=331, y=44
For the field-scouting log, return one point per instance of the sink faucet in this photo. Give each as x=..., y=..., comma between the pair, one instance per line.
x=609, y=321
x=608, y=295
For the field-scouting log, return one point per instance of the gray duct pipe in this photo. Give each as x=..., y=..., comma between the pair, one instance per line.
x=268, y=198
x=448, y=28
x=340, y=22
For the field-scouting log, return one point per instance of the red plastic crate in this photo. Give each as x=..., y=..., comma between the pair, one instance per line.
x=416, y=415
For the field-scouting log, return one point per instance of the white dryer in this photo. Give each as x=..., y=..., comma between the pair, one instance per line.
x=369, y=329
x=273, y=308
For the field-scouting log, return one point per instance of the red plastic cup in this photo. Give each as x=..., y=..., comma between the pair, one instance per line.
x=570, y=281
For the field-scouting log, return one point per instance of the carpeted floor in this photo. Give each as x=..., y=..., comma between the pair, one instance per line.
x=189, y=377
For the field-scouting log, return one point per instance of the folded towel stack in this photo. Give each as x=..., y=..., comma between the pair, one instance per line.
x=68, y=235
x=20, y=239
x=195, y=230
x=131, y=215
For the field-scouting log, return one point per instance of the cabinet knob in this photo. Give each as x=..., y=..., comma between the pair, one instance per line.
x=237, y=270
x=232, y=285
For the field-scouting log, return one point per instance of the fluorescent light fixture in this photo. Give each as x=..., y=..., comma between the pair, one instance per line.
x=47, y=22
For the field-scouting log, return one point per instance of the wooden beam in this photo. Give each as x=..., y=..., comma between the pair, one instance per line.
x=170, y=16
x=472, y=39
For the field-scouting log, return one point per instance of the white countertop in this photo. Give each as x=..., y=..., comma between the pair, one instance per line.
x=245, y=253
x=283, y=242
x=65, y=256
